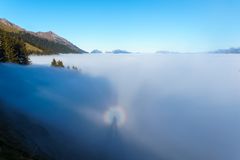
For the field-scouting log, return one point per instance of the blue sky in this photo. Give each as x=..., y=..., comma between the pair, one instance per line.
x=135, y=25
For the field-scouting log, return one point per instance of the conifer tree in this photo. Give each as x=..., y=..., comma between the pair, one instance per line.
x=8, y=45
x=54, y=63
x=2, y=54
x=21, y=53
x=12, y=49
x=60, y=64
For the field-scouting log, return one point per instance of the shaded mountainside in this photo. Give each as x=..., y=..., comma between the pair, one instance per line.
x=23, y=137
x=15, y=144
x=39, y=42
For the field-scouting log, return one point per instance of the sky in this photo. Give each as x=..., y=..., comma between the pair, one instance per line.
x=134, y=25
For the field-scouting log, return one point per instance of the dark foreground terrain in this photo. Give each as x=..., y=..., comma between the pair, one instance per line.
x=14, y=142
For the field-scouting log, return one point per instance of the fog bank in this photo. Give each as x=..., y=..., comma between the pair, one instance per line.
x=174, y=107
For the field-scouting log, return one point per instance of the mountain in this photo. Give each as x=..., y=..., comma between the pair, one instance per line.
x=228, y=51
x=10, y=27
x=39, y=42
x=96, y=51
x=119, y=51
x=57, y=39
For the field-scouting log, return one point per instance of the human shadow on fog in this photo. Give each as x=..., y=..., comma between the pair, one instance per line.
x=57, y=114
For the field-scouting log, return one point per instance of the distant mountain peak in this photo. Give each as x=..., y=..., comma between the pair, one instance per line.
x=119, y=51
x=228, y=51
x=96, y=51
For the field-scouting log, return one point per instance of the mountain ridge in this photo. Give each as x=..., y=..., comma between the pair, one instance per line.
x=9, y=26
x=232, y=50
x=40, y=42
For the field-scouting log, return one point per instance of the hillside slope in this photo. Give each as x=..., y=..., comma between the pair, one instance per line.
x=40, y=42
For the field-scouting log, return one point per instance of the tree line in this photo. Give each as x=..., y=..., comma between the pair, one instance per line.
x=12, y=49
x=59, y=64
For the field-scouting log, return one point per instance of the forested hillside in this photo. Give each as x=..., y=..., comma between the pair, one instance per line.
x=39, y=42
x=12, y=49
x=46, y=46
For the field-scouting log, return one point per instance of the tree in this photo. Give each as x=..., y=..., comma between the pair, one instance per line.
x=9, y=49
x=12, y=49
x=57, y=63
x=2, y=54
x=54, y=63
x=60, y=64
x=20, y=49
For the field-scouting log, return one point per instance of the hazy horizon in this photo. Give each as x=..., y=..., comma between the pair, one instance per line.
x=135, y=25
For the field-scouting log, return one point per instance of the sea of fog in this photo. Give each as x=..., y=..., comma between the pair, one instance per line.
x=135, y=106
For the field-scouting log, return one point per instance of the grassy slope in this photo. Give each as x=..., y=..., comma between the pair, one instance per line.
x=32, y=49
x=8, y=29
